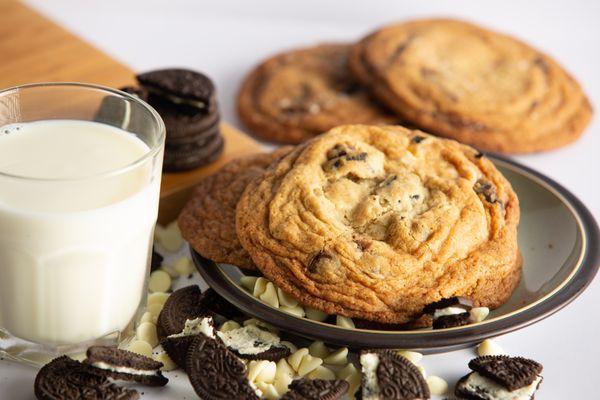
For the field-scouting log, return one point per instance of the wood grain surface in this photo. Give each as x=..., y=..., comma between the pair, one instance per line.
x=35, y=49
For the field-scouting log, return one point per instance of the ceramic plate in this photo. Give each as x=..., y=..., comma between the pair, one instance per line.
x=558, y=239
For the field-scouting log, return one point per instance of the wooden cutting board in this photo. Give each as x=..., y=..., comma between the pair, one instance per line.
x=35, y=49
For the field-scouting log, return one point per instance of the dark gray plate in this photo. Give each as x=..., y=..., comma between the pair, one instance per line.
x=558, y=239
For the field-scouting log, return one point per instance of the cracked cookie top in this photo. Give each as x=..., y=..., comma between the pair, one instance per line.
x=377, y=222
x=296, y=95
x=471, y=84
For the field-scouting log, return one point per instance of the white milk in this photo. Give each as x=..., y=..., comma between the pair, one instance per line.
x=73, y=253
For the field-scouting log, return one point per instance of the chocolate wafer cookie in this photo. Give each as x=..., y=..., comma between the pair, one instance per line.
x=296, y=95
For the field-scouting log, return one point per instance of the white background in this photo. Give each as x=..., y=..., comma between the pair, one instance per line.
x=226, y=38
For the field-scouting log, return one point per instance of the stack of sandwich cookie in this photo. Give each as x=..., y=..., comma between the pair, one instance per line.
x=186, y=101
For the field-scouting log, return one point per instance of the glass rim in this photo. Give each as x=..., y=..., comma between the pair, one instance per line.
x=92, y=86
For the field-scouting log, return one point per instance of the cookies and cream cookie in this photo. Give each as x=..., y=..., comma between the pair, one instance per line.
x=296, y=95
x=208, y=220
x=471, y=84
x=377, y=222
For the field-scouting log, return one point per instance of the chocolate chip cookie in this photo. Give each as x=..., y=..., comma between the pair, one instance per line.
x=207, y=221
x=378, y=222
x=465, y=82
x=296, y=95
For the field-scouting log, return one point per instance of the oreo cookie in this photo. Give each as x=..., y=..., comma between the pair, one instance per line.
x=66, y=379
x=388, y=375
x=316, y=389
x=119, y=364
x=254, y=343
x=177, y=345
x=217, y=305
x=215, y=372
x=182, y=305
x=511, y=372
x=457, y=301
x=451, y=321
x=186, y=101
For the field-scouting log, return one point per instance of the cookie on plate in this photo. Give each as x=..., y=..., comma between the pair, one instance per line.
x=207, y=221
x=377, y=222
x=66, y=379
x=471, y=84
x=296, y=95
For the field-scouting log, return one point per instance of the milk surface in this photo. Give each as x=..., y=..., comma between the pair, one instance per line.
x=75, y=237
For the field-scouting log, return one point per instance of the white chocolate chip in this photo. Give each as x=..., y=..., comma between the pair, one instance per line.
x=268, y=390
x=285, y=299
x=247, y=282
x=322, y=372
x=308, y=364
x=140, y=347
x=351, y=375
x=411, y=356
x=422, y=370
x=338, y=357
x=148, y=317
x=489, y=348
x=298, y=311
x=270, y=296
x=146, y=331
x=169, y=270
x=282, y=383
x=315, y=315
x=437, y=386
x=289, y=345
x=168, y=364
x=157, y=298
x=259, y=286
x=261, y=371
x=318, y=349
x=170, y=237
x=229, y=326
x=183, y=266
x=344, y=322
x=154, y=309
x=159, y=281
x=284, y=369
x=478, y=314
x=295, y=358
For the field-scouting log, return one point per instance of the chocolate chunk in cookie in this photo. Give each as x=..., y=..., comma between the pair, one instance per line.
x=511, y=372
x=177, y=345
x=66, y=379
x=182, y=305
x=215, y=372
x=254, y=343
x=388, y=375
x=316, y=389
x=124, y=365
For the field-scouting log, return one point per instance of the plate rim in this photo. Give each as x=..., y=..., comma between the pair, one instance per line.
x=571, y=287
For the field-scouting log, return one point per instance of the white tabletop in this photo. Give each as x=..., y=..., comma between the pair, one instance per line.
x=226, y=38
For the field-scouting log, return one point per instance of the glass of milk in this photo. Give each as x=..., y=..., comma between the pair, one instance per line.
x=80, y=169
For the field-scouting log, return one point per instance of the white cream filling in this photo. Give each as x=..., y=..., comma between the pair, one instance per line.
x=490, y=390
x=448, y=311
x=197, y=326
x=124, y=370
x=369, y=363
x=249, y=339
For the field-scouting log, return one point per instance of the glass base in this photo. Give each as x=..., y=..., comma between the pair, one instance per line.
x=36, y=354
